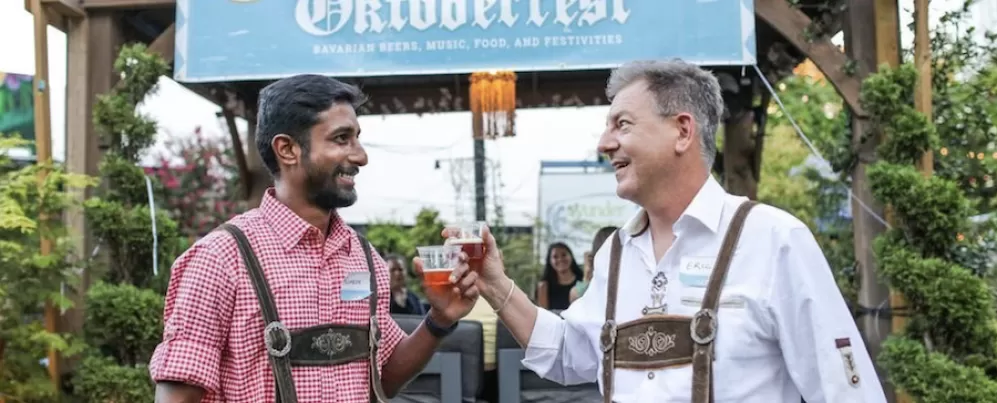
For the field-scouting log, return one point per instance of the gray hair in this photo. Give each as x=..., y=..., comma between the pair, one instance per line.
x=678, y=87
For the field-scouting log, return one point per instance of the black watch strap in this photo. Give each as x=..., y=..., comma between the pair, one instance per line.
x=439, y=331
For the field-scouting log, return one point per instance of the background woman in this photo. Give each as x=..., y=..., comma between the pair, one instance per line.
x=560, y=274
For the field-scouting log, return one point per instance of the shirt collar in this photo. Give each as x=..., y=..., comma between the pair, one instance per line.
x=706, y=208
x=291, y=229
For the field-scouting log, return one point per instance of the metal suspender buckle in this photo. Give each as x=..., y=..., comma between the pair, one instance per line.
x=711, y=330
x=608, y=339
x=277, y=334
x=374, y=333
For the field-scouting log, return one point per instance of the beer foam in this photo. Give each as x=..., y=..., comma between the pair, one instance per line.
x=462, y=241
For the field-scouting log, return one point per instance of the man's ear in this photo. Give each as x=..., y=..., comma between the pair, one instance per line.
x=287, y=151
x=685, y=127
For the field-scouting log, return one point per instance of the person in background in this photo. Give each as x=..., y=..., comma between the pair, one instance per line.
x=402, y=301
x=600, y=238
x=560, y=274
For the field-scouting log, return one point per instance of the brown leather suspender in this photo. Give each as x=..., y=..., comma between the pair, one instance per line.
x=377, y=394
x=608, y=339
x=671, y=347
x=280, y=340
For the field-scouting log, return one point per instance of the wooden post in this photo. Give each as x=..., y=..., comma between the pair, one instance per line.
x=923, y=92
x=871, y=38
x=887, y=14
x=43, y=146
x=92, y=44
x=923, y=104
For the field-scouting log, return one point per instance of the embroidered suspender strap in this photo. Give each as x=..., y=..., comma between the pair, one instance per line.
x=275, y=335
x=703, y=327
x=608, y=338
x=377, y=390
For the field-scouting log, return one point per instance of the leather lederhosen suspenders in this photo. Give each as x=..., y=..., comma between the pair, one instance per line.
x=660, y=341
x=322, y=345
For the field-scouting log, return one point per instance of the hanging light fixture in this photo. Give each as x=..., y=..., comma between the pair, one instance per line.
x=493, y=104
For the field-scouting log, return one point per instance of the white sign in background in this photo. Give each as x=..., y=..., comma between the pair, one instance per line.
x=573, y=206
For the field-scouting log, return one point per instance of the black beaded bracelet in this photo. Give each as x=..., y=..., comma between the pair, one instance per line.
x=439, y=331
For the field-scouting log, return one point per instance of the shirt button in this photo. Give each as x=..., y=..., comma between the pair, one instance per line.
x=650, y=375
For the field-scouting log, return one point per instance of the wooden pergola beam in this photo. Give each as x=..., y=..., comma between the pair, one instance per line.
x=66, y=8
x=792, y=23
x=437, y=98
x=126, y=4
x=59, y=12
x=165, y=43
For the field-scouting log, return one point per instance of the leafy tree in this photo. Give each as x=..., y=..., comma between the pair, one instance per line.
x=949, y=349
x=393, y=238
x=201, y=190
x=521, y=263
x=29, y=210
x=964, y=85
x=123, y=316
x=779, y=185
x=817, y=108
x=806, y=193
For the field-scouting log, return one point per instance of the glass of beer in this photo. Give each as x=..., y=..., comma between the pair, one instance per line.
x=438, y=263
x=468, y=236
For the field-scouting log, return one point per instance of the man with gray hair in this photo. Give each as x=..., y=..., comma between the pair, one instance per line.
x=705, y=314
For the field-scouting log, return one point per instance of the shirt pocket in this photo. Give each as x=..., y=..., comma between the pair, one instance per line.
x=295, y=294
x=739, y=332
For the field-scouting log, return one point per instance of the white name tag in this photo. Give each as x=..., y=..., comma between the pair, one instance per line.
x=356, y=286
x=695, y=271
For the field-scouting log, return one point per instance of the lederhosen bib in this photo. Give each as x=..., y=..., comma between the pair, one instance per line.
x=657, y=341
x=322, y=345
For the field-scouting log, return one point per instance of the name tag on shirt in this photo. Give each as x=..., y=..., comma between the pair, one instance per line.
x=695, y=271
x=356, y=286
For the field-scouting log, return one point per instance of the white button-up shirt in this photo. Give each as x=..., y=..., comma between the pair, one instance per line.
x=783, y=324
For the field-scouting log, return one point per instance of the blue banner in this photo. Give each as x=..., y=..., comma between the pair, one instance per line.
x=228, y=40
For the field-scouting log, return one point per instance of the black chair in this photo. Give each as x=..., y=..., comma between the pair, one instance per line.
x=517, y=384
x=456, y=370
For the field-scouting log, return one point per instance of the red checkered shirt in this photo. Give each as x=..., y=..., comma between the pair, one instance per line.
x=213, y=335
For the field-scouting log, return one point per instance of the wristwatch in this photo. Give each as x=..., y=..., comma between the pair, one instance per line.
x=439, y=331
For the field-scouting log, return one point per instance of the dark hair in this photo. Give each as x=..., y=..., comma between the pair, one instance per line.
x=600, y=238
x=394, y=257
x=291, y=106
x=549, y=275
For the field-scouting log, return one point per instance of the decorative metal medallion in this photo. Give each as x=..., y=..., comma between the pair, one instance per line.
x=331, y=343
x=659, y=288
x=651, y=342
x=277, y=333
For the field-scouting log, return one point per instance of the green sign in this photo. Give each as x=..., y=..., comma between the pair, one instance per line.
x=17, y=105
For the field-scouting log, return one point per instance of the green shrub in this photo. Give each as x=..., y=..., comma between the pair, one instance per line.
x=948, y=352
x=124, y=313
x=124, y=322
x=29, y=279
x=101, y=379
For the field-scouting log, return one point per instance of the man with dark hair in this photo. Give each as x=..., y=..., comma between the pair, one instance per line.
x=402, y=301
x=286, y=303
